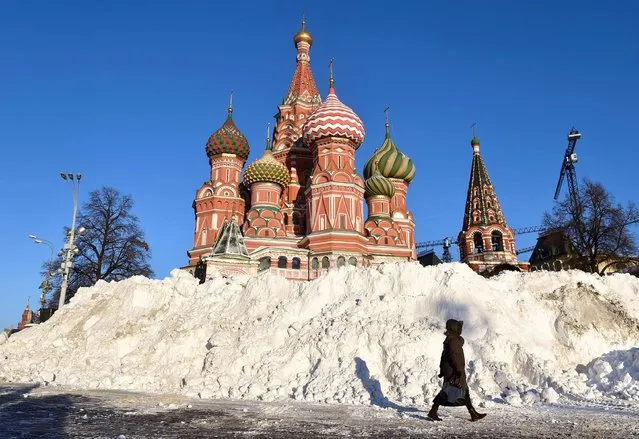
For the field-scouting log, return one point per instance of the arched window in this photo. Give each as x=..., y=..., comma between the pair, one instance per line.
x=265, y=263
x=478, y=242
x=557, y=265
x=325, y=262
x=341, y=261
x=295, y=264
x=315, y=263
x=281, y=262
x=352, y=261
x=497, y=241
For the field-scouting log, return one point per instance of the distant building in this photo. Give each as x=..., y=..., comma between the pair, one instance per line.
x=554, y=252
x=299, y=209
x=28, y=318
x=486, y=242
x=428, y=258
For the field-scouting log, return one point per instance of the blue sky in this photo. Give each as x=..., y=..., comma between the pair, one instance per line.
x=127, y=93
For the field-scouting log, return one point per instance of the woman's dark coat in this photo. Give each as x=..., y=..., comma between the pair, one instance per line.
x=453, y=364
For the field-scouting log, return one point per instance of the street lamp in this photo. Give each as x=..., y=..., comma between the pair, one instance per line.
x=69, y=247
x=45, y=285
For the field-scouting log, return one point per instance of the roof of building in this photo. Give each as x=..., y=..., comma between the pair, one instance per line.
x=333, y=119
x=391, y=161
x=267, y=169
x=228, y=139
x=230, y=241
x=378, y=185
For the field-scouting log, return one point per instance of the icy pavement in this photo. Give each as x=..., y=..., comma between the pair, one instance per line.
x=56, y=413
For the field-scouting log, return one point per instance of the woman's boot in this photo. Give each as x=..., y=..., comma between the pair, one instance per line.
x=474, y=416
x=432, y=414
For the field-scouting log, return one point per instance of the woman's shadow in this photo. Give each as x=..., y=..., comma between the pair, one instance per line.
x=374, y=389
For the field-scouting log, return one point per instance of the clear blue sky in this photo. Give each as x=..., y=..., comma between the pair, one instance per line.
x=127, y=93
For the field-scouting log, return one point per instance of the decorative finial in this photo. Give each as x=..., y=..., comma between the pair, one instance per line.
x=303, y=22
x=331, y=81
x=268, y=136
x=231, y=103
x=386, y=111
x=475, y=141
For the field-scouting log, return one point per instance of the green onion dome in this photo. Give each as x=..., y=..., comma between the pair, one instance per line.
x=267, y=169
x=475, y=141
x=228, y=140
x=378, y=185
x=391, y=161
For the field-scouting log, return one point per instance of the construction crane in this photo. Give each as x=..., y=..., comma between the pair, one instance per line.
x=446, y=243
x=568, y=167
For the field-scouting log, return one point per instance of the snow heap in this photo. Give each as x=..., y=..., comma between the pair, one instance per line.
x=354, y=335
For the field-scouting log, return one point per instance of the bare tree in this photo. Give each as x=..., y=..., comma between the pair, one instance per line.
x=598, y=229
x=111, y=248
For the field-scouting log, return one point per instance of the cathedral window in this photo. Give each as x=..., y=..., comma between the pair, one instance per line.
x=322, y=222
x=268, y=196
x=265, y=263
x=352, y=261
x=315, y=263
x=341, y=261
x=228, y=175
x=325, y=262
x=342, y=222
x=497, y=241
x=281, y=262
x=476, y=203
x=478, y=242
x=489, y=202
x=295, y=264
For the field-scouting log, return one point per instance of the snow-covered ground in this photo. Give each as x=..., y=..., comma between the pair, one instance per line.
x=55, y=412
x=354, y=336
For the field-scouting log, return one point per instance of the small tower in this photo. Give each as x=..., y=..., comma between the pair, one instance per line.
x=266, y=179
x=486, y=242
x=220, y=198
x=400, y=170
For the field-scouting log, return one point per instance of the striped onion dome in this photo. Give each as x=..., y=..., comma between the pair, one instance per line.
x=267, y=169
x=391, y=161
x=378, y=185
x=228, y=140
x=333, y=119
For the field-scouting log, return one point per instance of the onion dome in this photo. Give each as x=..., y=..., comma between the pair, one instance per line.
x=378, y=185
x=474, y=141
x=333, y=119
x=391, y=161
x=228, y=140
x=303, y=35
x=267, y=169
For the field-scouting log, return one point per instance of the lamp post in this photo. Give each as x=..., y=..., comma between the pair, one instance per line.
x=45, y=285
x=69, y=246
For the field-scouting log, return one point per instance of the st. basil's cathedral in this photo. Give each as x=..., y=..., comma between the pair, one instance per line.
x=299, y=209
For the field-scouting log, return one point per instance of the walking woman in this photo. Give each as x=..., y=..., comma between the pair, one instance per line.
x=453, y=368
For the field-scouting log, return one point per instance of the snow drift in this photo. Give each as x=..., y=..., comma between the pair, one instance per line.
x=354, y=335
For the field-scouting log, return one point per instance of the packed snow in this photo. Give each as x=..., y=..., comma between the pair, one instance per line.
x=355, y=335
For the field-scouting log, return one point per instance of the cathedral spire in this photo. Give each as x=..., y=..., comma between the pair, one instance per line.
x=482, y=205
x=303, y=88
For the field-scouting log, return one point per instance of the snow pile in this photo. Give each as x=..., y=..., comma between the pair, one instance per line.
x=355, y=335
x=616, y=373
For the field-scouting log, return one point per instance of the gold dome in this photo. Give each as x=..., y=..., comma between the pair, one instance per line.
x=303, y=35
x=267, y=169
